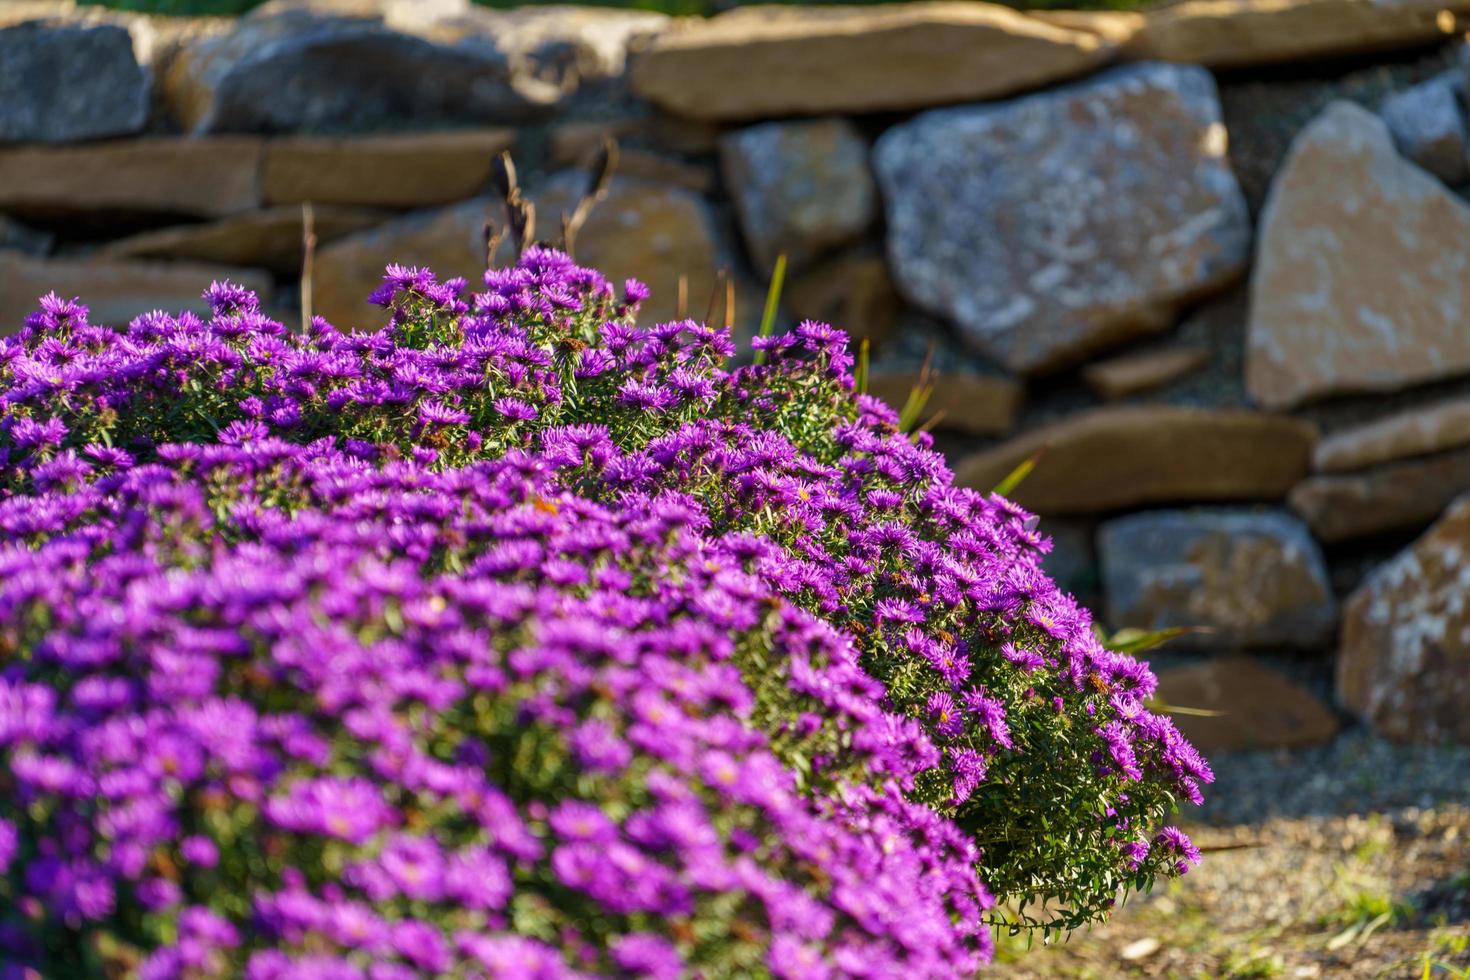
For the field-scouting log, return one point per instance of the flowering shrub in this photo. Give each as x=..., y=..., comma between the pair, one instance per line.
x=514, y=637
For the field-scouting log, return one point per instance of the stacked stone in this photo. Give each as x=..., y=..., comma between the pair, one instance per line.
x=1046, y=208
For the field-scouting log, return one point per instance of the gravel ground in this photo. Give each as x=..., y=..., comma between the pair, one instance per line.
x=1348, y=860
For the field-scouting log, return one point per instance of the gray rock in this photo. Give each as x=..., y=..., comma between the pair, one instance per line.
x=16, y=237
x=1429, y=128
x=1256, y=578
x=802, y=188
x=62, y=82
x=1061, y=223
x=1072, y=561
x=297, y=70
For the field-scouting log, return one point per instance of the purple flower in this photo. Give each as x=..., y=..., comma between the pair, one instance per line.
x=515, y=409
x=1174, y=842
x=349, y=809
x=945, y=715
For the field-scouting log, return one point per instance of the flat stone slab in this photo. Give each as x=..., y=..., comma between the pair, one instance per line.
x=1058, y=224
x=1239, y=33
x=194, y=177
x=1260, y=707
x=1128, y=456
x=409, y=170
x=1135, y=374
x=1404, y=663
x=1255, y=579
x=962, y=402
x=1400, y=496
x=1415, y=432
x=270, y=239
x=61, y=81
x=115, y=292
x=771, y=61
x=1362, y=277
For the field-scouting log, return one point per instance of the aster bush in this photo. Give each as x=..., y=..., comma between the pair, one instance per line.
x=516, y=639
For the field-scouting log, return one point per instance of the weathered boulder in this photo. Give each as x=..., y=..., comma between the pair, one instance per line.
x=1254, y=578
x=449, y=240
x=1398, y=496
x=115, y=292
x=1404, y=661
x=299, y=70
x=1237, y=33
x=1415, y=432
x=203, y=177
x=755, y=62
x=1134, y=374
x=657, y=233
x=852, y=291
x=62, y=81
x=1361, y=281
x=1110, y=458
x=1057, y=224
x=1259, y=706
x=269, y=239
x=1428, y=126
x=800, y=188
x=400, y=171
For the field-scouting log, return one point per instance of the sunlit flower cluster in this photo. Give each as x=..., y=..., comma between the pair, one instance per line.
x=516, y=639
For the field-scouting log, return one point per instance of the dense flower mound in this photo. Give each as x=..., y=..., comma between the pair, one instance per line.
x=269, y=740
x=514, y=632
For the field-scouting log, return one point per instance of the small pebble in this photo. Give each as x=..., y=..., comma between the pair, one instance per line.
x=1140, y=949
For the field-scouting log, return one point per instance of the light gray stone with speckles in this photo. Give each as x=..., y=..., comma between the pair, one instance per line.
x=1254, y=578
x=1404, y=663
x=800, y=188
x=1362, y=276
x=1061, y=223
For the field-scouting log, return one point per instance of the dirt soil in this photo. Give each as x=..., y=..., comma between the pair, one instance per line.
x=1356, y=864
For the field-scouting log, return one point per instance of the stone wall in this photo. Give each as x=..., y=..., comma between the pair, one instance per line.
x=1211, y=263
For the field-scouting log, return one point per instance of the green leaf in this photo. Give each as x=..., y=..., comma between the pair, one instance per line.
x=1132, y=640
x=773, y=300
x=913, y=406
x=1014, y=477
x=860, y=378
x=1162, y=707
